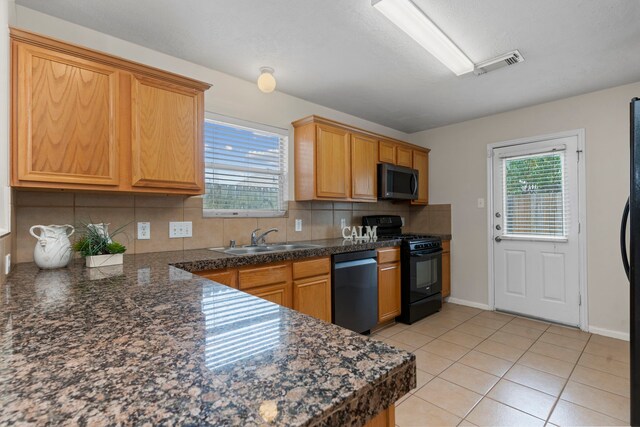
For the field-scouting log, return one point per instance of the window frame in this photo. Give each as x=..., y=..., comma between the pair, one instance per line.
x=252, y=213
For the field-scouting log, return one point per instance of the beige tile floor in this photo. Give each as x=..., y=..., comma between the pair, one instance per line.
x=484, y=368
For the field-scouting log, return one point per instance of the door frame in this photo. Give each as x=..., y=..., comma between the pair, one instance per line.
x=582, y=214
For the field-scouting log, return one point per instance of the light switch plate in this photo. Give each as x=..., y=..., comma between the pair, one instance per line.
x=343, y=223
x=298, y=225
x=179, y=229
x=144, y=230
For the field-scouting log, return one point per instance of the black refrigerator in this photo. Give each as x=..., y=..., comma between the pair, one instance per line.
x=632, y=262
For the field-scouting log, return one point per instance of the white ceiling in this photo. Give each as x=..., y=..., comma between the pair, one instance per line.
x=345, y=55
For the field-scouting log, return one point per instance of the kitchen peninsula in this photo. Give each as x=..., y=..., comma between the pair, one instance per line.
x=148, y=342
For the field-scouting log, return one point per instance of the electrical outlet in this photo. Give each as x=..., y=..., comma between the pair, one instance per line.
x=175, y=230
x=7, y=264
x=480, y=203
x=343, y=223
x=144, y=230
x=298, y=225
x=179, y=229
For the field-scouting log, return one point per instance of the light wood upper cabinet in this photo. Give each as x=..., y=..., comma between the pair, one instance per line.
x=387, y=152
x=364, y=156
x=404, y=156
x=66, y=127
x=166, y=143
x=334, y=161
x=279, y=294
x=86, y=120
x=333, y=166
x=421, y=164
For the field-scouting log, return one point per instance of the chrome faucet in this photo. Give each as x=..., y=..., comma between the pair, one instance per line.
x=260, y=240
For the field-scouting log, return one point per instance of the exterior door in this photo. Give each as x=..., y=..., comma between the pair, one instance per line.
x=535, y=230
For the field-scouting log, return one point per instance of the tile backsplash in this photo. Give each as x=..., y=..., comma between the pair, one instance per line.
x=320, y=220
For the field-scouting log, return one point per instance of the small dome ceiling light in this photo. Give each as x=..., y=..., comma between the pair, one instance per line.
x=266, y=81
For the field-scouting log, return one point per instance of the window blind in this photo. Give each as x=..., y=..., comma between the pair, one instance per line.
x=534, y=195
x=245, y=170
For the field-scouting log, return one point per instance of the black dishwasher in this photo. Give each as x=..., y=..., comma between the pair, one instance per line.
x=354, y=286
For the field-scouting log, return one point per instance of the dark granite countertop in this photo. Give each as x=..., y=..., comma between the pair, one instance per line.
x=149, y=343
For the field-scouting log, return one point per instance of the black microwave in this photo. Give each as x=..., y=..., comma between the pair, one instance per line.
x=397, y=182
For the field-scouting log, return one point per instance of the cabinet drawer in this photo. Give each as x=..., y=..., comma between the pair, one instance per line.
x=386, y=255
x=225, y=277
x=253, y=277
x=313, y=267
x=446, y=246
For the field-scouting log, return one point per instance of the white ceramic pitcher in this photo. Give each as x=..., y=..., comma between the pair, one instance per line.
x=53, y=249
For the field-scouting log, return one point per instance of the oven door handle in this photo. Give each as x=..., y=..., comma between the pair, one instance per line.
x=423, y=253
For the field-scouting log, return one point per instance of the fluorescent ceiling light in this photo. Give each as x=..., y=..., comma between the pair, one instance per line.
x=410, y=19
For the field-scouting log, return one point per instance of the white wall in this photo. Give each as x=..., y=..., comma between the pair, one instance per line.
x=229, y=96
x=6, y=9
x=458, y=176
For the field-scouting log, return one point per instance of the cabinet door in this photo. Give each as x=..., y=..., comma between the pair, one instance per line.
x=388, y=291
x=166, y=141
x=387, y=152
x=313, y=297
x=446, y=270
x=421, y=163
x=364, y=174
x=66, y=113
x=333, y=163
x=279, y=293
x=403, y=156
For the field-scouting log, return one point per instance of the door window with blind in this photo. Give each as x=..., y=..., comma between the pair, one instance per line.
x=245, y=169
x=534, y=196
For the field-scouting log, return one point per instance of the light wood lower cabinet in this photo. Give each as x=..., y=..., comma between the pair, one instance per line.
x=386, y=418
x=446, y=268
x=389, y=280
x=312, y=287
x=304, y=285
x=279, y=294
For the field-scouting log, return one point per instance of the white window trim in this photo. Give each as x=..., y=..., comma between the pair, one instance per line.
x=211, y=213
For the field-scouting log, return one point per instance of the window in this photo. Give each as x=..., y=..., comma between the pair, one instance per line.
x=245, y=169
x=534, y=195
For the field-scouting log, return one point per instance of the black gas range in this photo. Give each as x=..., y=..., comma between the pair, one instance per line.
x=421, y=267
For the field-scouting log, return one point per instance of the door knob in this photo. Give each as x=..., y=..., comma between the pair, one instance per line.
x=498, y=239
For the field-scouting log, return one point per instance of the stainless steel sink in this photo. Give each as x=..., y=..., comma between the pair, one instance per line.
x=292, y=246
x=249, y=250
x=246, y=251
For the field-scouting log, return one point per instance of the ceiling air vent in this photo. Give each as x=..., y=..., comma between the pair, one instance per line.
x=504, y=60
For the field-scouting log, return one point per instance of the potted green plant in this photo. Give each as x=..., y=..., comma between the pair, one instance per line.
x=96, y=245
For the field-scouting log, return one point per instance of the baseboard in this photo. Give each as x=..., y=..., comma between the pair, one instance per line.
x=473, y=304
x=609, y=333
